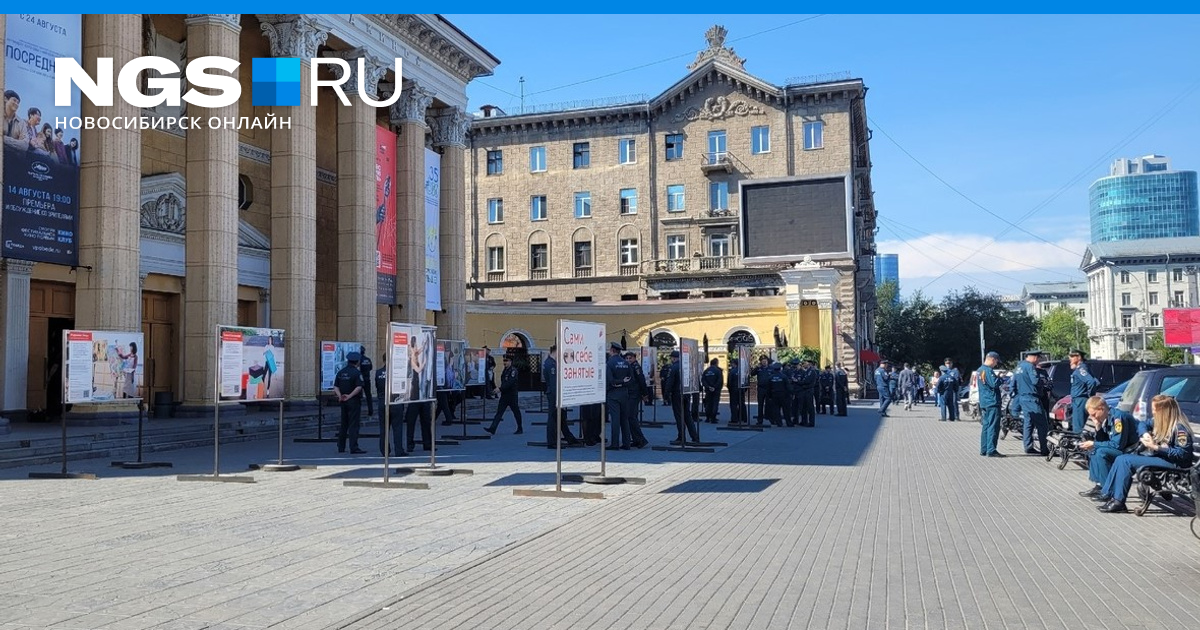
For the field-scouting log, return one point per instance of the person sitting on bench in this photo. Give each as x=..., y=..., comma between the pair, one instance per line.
x=1116, y=433
x=1167, y=443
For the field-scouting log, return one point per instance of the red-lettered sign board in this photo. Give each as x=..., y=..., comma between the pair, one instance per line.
x=1181, y=327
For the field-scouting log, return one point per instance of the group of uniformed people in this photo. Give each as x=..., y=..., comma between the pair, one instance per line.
x=792, y=395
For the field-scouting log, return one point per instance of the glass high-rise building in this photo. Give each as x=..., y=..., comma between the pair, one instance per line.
x=887, y=269
x=1144, y=198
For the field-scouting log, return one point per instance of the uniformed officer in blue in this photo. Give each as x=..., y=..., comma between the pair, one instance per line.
x=1165, y=442
x=1083, y=386
x=712, y=381
x=883, y=384
x=550, y=380
x=348, y=387
x=619, y=376
x=1116, y=434
x=948, y=385
x=809, y=378
x=367, y=369
x=989, y=405
x=781, y=396
x=1029, y=402
x=737, y=396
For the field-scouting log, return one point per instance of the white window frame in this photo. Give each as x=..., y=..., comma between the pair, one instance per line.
x=763, y=147
x=1126, y=299
x=541, y=152
x=586, y=197
x=667, y=148
x=1153, y=298
x=575, y=254
x=1152, y=276
x=713, y=204
x=545, y=262
x=495, y=255
x=533, y=204
x=628, y=248
x=495, y=210
x=721, y=237
x=682, y=206
x=627, y=151
x=676, y=247
x=629, y=208
x=814, y=135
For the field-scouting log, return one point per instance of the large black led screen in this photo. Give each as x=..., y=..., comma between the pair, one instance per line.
x=794, y=218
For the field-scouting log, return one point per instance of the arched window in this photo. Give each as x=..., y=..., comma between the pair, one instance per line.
x=663, y=339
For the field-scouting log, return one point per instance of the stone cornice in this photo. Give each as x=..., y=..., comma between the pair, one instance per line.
x=293, y=35
x=231, y=20
x=416, y=30
x=450, y=128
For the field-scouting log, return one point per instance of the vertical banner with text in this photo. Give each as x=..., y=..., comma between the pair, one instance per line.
x=433, y=249
x=689, y=362
x=41, y=156
x=385, y=216
x=581, y=363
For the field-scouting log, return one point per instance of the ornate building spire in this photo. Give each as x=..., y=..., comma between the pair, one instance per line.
x=717, y=50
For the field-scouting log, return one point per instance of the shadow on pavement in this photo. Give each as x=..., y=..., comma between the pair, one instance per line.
x=696, y=486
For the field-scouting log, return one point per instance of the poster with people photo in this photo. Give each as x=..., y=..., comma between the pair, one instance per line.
x=250, y=363
x=41, y=153
x=333, y=359
x=690, y=365
x=476, y=365
x=452, y=361
x=102, y=366
x=744, y=365
x=412, y=362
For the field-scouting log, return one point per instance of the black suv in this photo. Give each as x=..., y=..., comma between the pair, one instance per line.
x=1180, y=381
x=1110, y=372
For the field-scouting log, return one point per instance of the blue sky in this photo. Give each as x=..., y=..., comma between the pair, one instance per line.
x=1009, y=110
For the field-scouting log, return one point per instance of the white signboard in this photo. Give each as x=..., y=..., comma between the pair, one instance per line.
x=452, y=365
x=689, y=361
x=433, y=248
x=581, y=371
x=743, y=354
x=412, y=363
x=102, y=366
x=333, y=359
x=250, y=363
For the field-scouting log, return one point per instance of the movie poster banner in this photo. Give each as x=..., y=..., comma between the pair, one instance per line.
x=250, y=363
x=452, y=359
x=648, y=355
x=476, y=364
x=41, y=158
x=102, y=366
x=333, y=359
x=581, y=363
x=433, y=248
x=412, y=362
x=385, y=216
x=744, y=365
x=690, y=363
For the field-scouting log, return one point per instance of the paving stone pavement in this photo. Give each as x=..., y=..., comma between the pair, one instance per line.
x=857, y=524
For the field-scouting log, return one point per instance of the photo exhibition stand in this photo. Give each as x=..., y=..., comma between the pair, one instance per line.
x=64, y=474
x=280, y=465
x=139, y=464
x=217, y=476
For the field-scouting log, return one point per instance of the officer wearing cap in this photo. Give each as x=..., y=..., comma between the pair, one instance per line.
x=883, y=384
x=1029, y=401
x=948, y=385
x=809, y=378
x=989, y=405
x=674, y=389
x=712, y=380
x=348, y=387
x=795, y=373
x=737, y=396
x=638, y=391
x=1083, y=387
x=761, y=393
x=618, y=377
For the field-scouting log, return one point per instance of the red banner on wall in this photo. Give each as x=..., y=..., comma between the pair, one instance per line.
x=1181, y=327
x=385, y=216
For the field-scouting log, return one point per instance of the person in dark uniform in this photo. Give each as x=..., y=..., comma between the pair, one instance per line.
x=590, y=417
x=712, y=380
x=760, y=397
x=395, y=415
x=825, y=382
x=1083, y=387
x=550, y=379
x=1168, y=439
x=367, y=370
x=418, y=414
x=737, y=396
x=508, y=397
x=841, y=388
x=1116, y=434
x=618, y=376
x=882, y=378
x=662, y=379
x=638, y=391
x=807, y=384
x=794, y=373
x=489, y=374
x=1029, y=401
x=989, y=405
x=347, y=386
x=780, y=394
x=674, y=390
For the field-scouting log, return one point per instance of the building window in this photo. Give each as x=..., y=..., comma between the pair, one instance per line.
x=1153, y=298
x=718, y=195
x=629, y=297
x=629, y=251
x=495, y=164
x=676, y=247
x=760, y=140
x=1154, y=320
x=675, y=198
x=1152, y=276
x=583, y=254
x=1178, y=299
x=583, y=205
x=537, y=208
x=495, y=259
x=1177, y=275
x=583, y=155
x=1127, y=321
x=1124, y=277
x=583, y=298
x=814, y=135
x=539, y=258
x=628, y=201
x=1081, y=315
x=674, y=148
x=1125, y=299
x=537, y=160
x=716, y=146
x=627, y=151
x=495, y=211
x=718, y=245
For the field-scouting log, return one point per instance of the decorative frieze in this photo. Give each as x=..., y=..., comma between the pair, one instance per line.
x=719, y=108
x=450, y=128
x=412, y=106
x=413, y=30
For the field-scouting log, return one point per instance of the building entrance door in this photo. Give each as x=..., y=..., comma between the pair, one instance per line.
x=160, y=312
x=51, y=311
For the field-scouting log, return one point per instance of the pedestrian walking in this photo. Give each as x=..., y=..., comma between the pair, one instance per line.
x=883, y=384
x=989, y=405
x=508, y=397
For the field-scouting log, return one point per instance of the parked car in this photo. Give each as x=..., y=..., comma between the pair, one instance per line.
x=1063, y=406
x=1181, y=382
x=1110, y=373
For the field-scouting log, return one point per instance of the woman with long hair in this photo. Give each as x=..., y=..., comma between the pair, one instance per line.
x=1166, y=441
x=129, y=369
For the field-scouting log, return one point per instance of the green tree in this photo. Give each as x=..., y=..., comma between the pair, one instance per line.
x=955, y=329
x=903, y=327
x=1061, y=330
x=1158, y=347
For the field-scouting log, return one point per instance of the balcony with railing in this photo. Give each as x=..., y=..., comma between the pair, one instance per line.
x=539, y=274
x=716, y=161
x=695, y=264
x=583, y=272
x=629, y=269
x=495, y=276
x=718, y=216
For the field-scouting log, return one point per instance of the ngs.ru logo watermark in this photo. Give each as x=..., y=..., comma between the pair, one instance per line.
x=274, y=81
